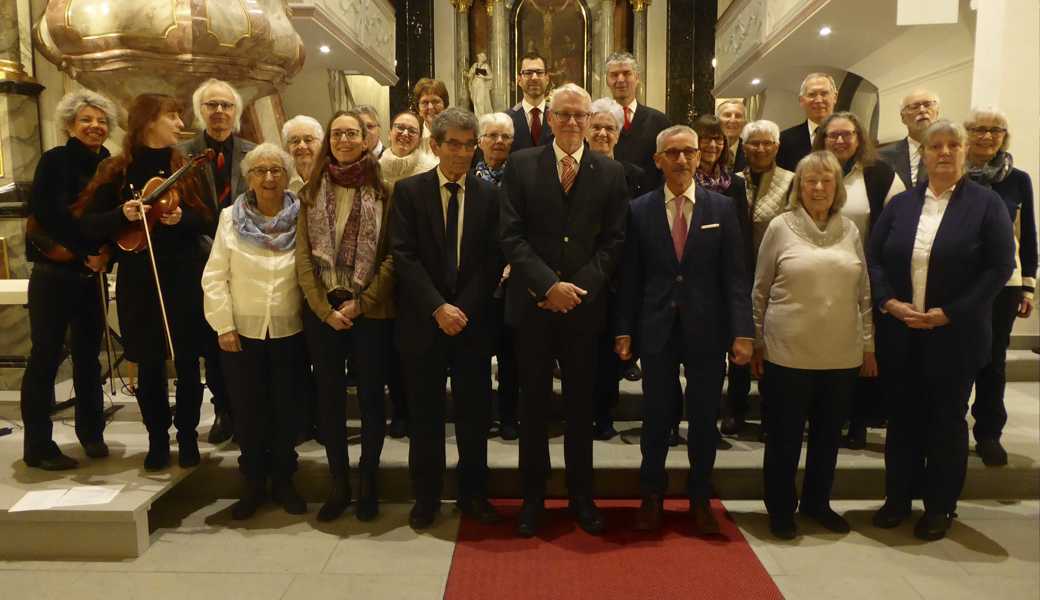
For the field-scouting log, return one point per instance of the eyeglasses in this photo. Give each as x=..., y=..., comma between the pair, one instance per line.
x=307, y=140
x=405, y=129
x=263, y=172
x=717, y=140
x=603, y=128
x=675, y=153
x=371, y=126
x=215, y=104
x=847, y=136
x=760, y=144
x=431, y=102
x=982, y=131
x=349, y=134
x=532, y=73
x=916, y=106
x=565, y=117
x=457, y=146
x=495, y=137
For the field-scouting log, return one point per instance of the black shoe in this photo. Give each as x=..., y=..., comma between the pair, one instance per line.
x=423, y=515
x=221, y=430
x=732, y=425
x=530, y=518
x=398, y=428
x=650, y=513
x=889, y=516
x=158, y=457
x=188, y=453
x=783, y=528
x=284, y=493
x=674, y=439
x=338, y=501
x=604, y=432
x=58, y=462
x=828, y=519
x=704, y=520
x=632, y=372
x=480, y=509
x=856, y=439
x=508, y=431
x=723, y=444
x=252, y=498
x=368, y=498
x=589, y=517
x=993, y=454
x=98, y=449
x=932, y=526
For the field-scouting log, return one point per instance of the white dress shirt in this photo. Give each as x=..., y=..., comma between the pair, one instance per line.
x=541, y=112
x=914, y=148
x=249, y=289
x=857, y=204
x=632, y=106
x=669, y=206
x=812, y=129
x=576, y=156
x=445, y=197
x=931, y=217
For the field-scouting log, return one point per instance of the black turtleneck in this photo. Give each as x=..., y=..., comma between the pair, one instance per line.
x=148, y=163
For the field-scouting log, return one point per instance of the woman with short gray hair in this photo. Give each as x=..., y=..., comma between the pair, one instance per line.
x=253, y=301
x=63, y=285
x=302, y=137
x=991, y=165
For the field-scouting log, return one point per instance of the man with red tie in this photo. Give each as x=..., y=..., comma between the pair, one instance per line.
x=529, y=116
x=685, y=298
x=562, y=231
x=642, y=123
x=218, y=107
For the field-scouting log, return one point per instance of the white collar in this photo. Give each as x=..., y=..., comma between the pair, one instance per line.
x=527, y=106
x=812, y=128
x=444, y=180
x=690, y=193
x=913, y=145
x=633, y=105
x=943, y=197
x=560, y=153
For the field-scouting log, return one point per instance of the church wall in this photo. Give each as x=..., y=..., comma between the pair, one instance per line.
x=444, y=46
x=656, y=80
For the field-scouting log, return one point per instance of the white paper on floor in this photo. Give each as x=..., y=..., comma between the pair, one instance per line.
x=84, y=495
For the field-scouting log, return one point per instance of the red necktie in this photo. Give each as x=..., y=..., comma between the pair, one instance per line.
x=568, y=174
x=226, y=192
x=628, y=119
x=680, y=229
x=536, y=125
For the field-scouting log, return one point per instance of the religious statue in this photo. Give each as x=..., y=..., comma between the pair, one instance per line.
x=479, y=76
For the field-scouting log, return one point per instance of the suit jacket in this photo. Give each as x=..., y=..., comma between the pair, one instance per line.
x=634, y=177
x=795, y=144
x=971, y=260
x=417, y=239
x=239, y=185
x=639, y=144
x=548, y=236
x=707, y=295
x=522, y=132
x=897, y=156
x=739, y=160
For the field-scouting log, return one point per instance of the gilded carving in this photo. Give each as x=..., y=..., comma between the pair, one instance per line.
x=740, y=36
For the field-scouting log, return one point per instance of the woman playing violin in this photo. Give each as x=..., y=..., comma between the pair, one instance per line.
x=112, y=209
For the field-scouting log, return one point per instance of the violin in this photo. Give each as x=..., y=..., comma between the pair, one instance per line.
x=163, y=198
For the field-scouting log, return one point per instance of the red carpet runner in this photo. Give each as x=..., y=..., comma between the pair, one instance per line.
x=565, y=563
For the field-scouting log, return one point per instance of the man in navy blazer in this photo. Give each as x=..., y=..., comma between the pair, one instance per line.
x=444, y=236
x=685, y=298
x=530, y=127
x=817, y=96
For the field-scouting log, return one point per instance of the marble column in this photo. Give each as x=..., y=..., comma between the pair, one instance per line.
x=462, y=52
x=705, y=15
x=679, y=93
x=639, y=40
x=605, y=43
x=19, y=153
x=501, y=80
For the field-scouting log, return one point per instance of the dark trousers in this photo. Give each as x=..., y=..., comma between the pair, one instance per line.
x=823, y=398
x=215, y=379
x=988, y=409
x=927, y=434
x=62, y=299
x=538, y=342
x=261, y=380
x=868, y=402
x=396, y=383
x=704, y=373
x=508, y=376
x=470, y=373
x=306, y=390
x=739, y=389
x=608, y=374
x=366, y=345
x=154, y=402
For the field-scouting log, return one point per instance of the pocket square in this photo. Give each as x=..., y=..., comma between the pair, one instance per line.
x=710, y=226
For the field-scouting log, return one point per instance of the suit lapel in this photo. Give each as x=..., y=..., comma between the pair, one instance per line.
x=586, y=170
x=199, y=145
x=551, y=187
x=472, y=220
x=434, y=208
x=523, y=132
x=237, y=181
x=659, y=226
x=956, y=212
x=701, y=213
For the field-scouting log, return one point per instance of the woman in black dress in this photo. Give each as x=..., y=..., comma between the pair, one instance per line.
x=154, y=126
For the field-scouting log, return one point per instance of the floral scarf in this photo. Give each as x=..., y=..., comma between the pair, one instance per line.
x=277, y=233
x=718, y=181
x=485, y=172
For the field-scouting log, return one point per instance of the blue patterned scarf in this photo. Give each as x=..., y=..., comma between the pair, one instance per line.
x=277, y=233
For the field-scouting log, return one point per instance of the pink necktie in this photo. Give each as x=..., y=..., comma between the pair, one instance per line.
x=679, y=228
x=568, y=174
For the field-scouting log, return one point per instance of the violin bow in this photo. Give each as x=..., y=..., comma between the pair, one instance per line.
x=155, y=274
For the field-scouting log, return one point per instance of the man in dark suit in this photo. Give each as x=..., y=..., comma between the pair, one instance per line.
x=918, y=111
x=218, y=107
x=562, y=232
x=444, y=235
x=685, y=297
x=641, y=124
x=817, y=95
x=529, y=116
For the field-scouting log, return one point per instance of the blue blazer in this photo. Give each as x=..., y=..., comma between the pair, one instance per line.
x=971, y=260
x=707, y=295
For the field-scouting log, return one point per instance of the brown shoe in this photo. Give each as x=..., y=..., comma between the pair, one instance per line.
x=704, y=520
x=650, y=513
